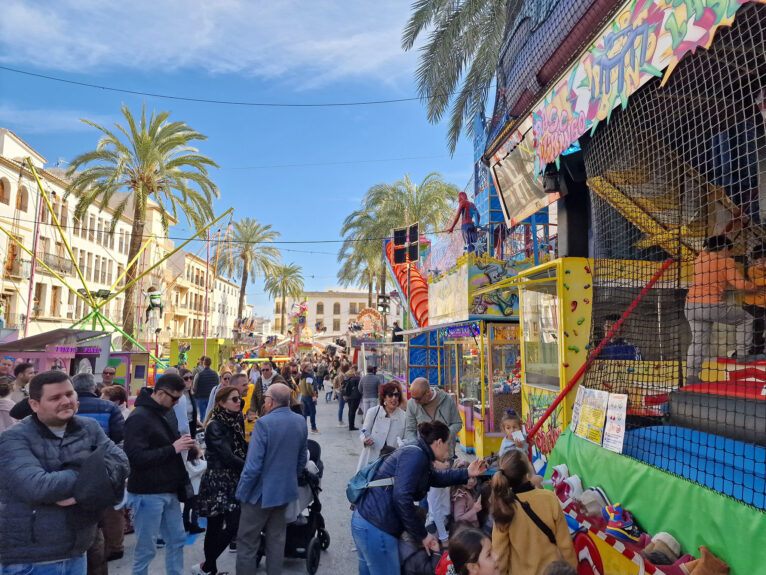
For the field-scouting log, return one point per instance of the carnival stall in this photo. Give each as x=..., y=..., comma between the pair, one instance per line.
x=69, y=350
x=189, y=349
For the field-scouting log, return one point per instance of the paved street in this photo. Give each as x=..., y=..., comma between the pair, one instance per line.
x=340, y=451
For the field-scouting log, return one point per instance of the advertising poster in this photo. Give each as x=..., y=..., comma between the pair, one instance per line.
x=614, y=432
x=576, y=408
x=590, y=425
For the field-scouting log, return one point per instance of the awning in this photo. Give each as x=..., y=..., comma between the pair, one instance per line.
x=39, y=341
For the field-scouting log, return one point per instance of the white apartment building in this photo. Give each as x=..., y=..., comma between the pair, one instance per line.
x=100, y=256
x=333, y=308
x=185, y=296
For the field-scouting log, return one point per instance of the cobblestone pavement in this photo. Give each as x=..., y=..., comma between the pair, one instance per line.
x=340, y=452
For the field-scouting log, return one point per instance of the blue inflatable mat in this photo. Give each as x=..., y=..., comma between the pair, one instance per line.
x=724, y=465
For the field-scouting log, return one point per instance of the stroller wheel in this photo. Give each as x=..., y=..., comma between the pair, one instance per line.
x=312, y=555
x=324, y=538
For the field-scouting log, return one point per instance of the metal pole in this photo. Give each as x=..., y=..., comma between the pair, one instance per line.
x=34, y=263
x=207, y=273
x=409, y=291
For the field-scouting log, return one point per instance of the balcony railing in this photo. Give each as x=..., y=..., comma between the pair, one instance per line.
x=58, y=264
x=19, y=269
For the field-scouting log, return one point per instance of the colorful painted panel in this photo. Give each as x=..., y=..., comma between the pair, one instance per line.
x=499, y=303
x=645, y=38
x=535, y=401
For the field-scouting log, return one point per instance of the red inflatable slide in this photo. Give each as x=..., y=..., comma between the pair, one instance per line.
x=418, y=284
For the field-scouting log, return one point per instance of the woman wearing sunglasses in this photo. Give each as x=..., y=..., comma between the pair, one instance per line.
x=383, y=424
x=226, y=452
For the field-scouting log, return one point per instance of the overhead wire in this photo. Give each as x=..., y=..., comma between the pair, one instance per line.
x=210, y=100
x=280, y=242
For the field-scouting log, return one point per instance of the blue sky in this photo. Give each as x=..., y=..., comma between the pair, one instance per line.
x=287, y=51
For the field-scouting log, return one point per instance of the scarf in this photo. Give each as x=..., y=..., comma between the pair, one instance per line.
x=235, y=422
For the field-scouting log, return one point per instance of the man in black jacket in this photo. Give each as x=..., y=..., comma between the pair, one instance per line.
x=204, y=382
x=157, y=475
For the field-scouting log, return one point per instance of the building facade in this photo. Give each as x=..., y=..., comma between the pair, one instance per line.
x=330, y=311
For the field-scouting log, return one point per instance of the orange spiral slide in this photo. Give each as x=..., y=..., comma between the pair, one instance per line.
x=418, y=284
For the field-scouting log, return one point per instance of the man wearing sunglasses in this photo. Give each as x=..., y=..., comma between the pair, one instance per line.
x=157, y=474
x=268, y=376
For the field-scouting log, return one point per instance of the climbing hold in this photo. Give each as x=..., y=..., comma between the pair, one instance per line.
x=566, y=334
x=586, y=300
x=565, y=364
x=574, y=348
x=574, y=331
x=568, y=272
x=587, y=286
x=580, y=321
x=566, y=286
x=573, y=305
x=587, y=269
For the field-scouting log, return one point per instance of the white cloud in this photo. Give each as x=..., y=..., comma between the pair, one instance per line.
x=47, y=120
x=305, y=42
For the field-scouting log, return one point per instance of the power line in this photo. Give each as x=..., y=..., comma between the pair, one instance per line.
x=280, y=242
x=207, y=100
x=338, y=163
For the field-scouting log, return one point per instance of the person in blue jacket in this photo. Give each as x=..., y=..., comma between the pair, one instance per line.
x=269, y=481
x=107, y=414
x=384, y=513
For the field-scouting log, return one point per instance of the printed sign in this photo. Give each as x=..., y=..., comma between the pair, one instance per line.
x=590, y=425
x=467, y=330
x=614, y=432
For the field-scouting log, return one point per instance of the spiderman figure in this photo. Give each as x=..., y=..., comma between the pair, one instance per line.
x=466, y=212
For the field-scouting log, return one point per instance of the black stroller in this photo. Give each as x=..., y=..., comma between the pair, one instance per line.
x=307, y=536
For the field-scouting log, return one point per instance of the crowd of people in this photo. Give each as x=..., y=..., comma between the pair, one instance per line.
x=82, y=469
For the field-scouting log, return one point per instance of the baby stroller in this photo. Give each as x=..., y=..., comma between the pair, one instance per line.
x=306, y=535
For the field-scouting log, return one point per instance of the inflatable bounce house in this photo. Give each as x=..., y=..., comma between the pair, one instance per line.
x=637, y=130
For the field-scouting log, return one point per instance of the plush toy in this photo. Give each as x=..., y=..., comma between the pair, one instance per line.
x=663, y=549
x=466, y=213
x=707, y=564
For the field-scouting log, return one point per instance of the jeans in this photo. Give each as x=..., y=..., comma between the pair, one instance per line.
x=341, y=405
x=367, y=403
x=157, y=515
x=202, y=407
x=470, y=236
x=377, y=550
x=701, y=317
x=310, y=410
x=74, y=566
x=252, y=521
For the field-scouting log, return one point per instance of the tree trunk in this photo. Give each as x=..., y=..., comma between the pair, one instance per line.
x=382, y=289
x=242, y=288
x=369, y=289
x=282, y=324
x=129, y=309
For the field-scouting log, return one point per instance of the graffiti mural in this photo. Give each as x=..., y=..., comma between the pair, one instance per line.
x=645, y=38
x=484, y=271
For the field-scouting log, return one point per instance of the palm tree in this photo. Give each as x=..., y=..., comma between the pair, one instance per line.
x=151, y=161
x=247, y=254
x=460, y=56
x=388, y=206
x=354, y=272
x=284, y=280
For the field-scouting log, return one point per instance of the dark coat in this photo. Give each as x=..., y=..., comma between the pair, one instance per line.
x=351, y=391
x=155, y=467
x=107, y=414
x=204, y=383
x=257, y=399
x=391, y=509
x=219, y=439
x=39, y=468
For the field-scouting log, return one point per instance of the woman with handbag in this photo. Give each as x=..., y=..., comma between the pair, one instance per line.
x=226, y=452
x=383, y=424
x=530, y=530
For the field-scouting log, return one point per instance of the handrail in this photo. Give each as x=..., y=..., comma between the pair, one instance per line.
x=572, y=382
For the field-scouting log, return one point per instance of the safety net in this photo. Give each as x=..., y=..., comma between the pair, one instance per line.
x=678, y=192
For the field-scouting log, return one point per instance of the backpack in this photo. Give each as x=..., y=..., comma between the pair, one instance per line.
x=350, y=387
x=363, y=479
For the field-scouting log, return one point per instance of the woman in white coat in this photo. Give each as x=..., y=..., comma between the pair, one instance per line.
x=383, y=423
